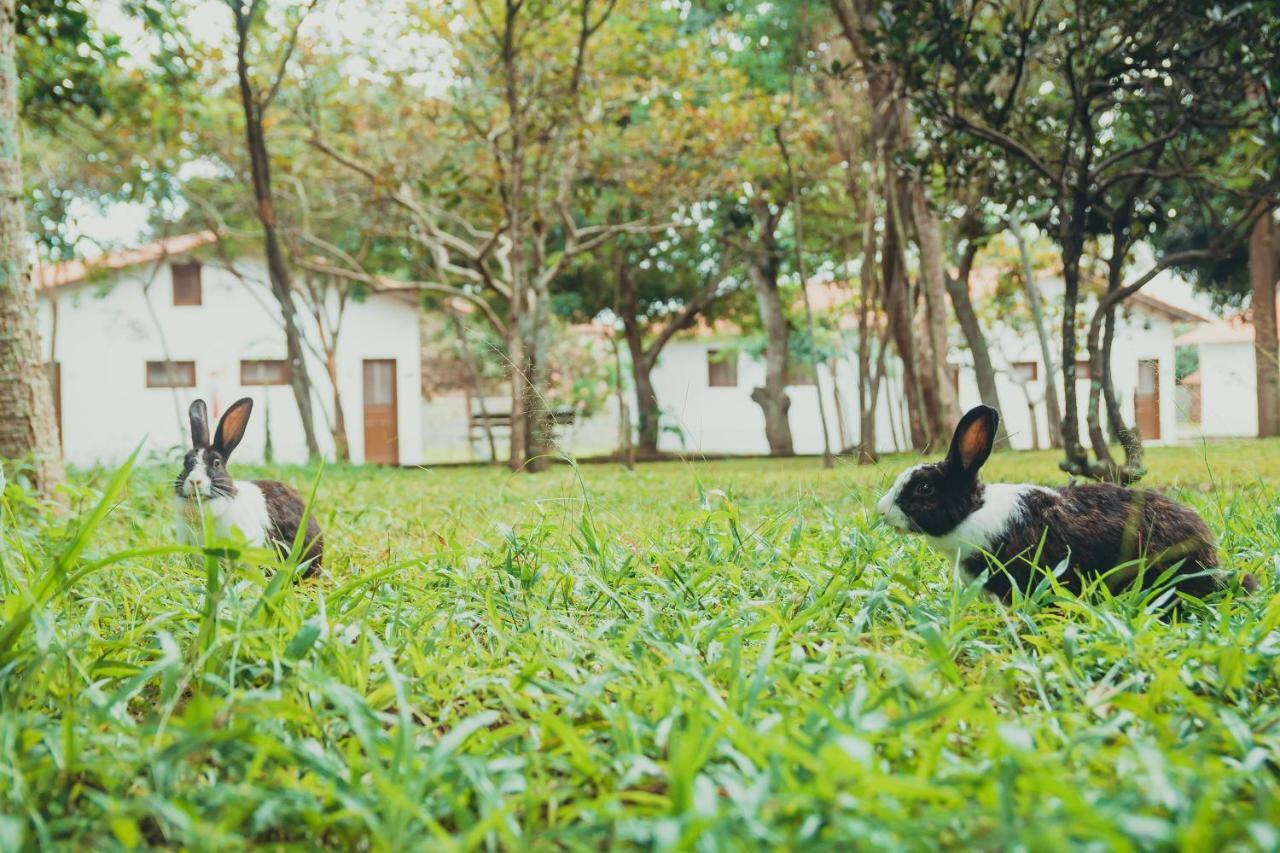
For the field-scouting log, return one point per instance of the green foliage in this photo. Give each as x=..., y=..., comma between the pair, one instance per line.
x=1188, y=361
x=1115, y=108
x=63, y=57
x=699, y=656
x=103, y=125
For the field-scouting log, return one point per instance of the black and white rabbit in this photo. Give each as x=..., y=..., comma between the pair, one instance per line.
x=1097, y=528
x=264, y=511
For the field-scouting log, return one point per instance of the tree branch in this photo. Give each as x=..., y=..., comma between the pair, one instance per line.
x=265, y=100
x=386, y=284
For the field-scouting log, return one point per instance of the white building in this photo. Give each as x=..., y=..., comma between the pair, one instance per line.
x=704, y=379
x=133, y=337
x=1228, y=382
x=704, y=382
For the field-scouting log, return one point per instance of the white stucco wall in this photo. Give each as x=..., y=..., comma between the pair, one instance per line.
x=1228, y=391
x=107, y=329
x=1140, y=336
x=698, y=418
x=726, y=420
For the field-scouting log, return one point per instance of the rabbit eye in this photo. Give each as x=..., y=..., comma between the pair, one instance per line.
x=924, y=490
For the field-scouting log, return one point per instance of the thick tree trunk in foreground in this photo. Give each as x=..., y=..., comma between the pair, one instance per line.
x=1262, y=279
x=27, y=424
x=277, y=269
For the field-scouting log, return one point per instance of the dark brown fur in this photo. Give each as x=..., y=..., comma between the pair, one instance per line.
x=1103, y=530
x=1124, y=536
x=286, y=508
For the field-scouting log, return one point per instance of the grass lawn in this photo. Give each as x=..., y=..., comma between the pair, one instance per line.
x=719, y=655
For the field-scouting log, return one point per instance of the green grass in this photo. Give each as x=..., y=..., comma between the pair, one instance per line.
x=720, y=655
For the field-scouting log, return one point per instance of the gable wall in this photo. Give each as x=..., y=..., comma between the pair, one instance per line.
x=107, y=329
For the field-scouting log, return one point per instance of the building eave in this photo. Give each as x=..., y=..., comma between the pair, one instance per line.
x=65, y=274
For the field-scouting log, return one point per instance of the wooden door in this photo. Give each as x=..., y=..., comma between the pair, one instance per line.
x=1146, y=399
x=381, y=420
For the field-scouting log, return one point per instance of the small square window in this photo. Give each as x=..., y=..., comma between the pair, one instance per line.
x=171, y=374
x=1026, y=371
x=264, y=372
x=722, y=368
x=186, y=283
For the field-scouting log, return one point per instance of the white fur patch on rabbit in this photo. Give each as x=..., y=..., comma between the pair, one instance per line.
x=1003, y=506
x=245, y=512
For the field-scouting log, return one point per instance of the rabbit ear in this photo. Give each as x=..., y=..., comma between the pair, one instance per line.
x=199, y=415
x=971, y=444
x=232, y=426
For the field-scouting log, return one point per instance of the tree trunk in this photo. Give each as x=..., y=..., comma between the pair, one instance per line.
x=1262, y=280
x=1052, y=408
x=517, y=356
x=868, y=383
x=626, y=445
x=541, y=442
x=797, y=216
x=868, y=437
x=772, y=397
x=929, y=240
x=277, y=269
x=648, y=413
x=762, y=269
x=341, y=445
x=473, y=377
x=1129, y=437
x=1077, y=459
x=837, y=400
x=1105, y=467
x=516, y=374
x=647, y=410
x=976, y=341
x=898, y=302
x=1031, y=411
x=866, y=400
x=1101, y=387
x=28, y=428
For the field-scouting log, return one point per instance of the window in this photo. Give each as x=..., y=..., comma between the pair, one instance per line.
x=171, y=374
x=722, y=368
x=264, y=372
x=800, y=373
x=1083, y=370
x=186, y=283
x=1026, y=371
